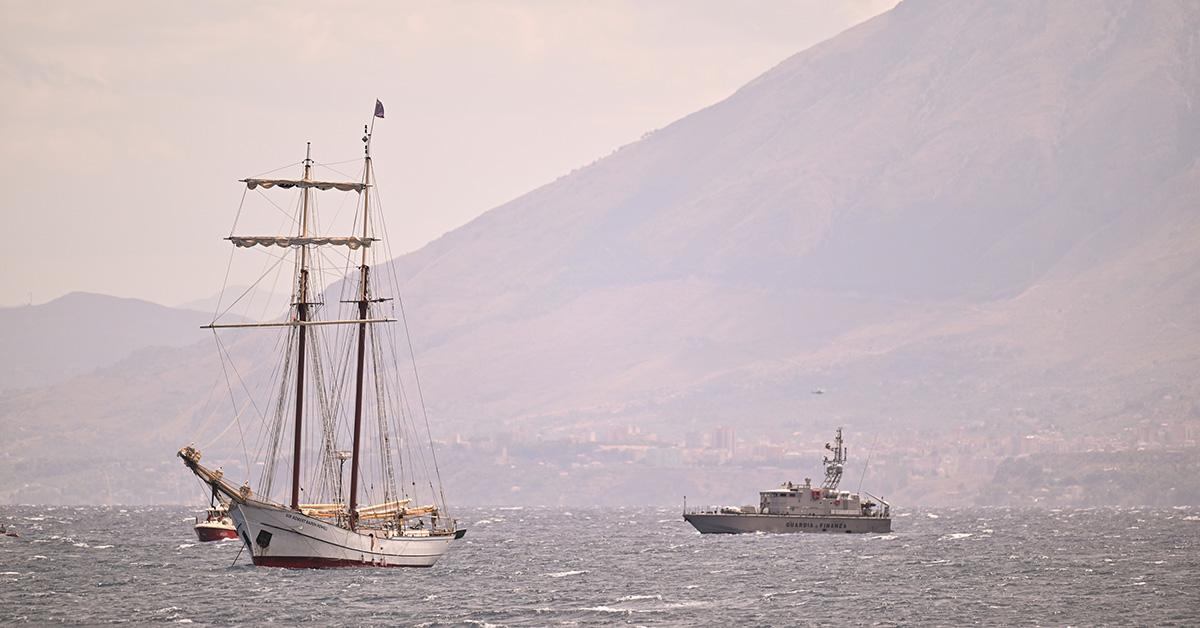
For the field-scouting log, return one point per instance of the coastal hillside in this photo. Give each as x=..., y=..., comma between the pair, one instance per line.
x=77, y=333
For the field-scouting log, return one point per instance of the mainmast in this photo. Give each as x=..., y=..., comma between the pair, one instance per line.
x=363, y=302
x=301, y=317
x=833, y=466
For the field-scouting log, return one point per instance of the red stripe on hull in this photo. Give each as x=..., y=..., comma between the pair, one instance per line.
x=308, y=562
x=215, y=534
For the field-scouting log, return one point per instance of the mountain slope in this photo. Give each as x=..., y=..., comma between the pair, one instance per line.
x=74, y=334
x=938, y=157
x=935, y=150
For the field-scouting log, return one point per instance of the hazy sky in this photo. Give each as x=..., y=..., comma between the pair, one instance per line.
x=125, y=125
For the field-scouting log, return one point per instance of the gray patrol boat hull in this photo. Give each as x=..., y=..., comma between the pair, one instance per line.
x=729, y=523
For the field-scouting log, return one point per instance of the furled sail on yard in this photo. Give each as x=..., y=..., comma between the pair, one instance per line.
x=305, y=184
x=352, y=242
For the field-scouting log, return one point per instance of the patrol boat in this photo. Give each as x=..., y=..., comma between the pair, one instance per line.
x=801, y=507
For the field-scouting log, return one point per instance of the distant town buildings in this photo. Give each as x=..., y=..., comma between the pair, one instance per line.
x=979, y=462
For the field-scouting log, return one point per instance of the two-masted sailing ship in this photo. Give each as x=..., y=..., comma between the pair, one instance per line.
x=336, y=382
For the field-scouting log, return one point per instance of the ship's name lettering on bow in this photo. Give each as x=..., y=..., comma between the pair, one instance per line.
x=308, y=522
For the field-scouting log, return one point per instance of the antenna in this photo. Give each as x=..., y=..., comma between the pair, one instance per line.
x=834, y=466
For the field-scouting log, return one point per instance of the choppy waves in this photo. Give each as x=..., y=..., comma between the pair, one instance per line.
x=535, y=566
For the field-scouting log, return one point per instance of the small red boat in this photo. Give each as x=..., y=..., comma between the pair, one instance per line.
x=216, y=526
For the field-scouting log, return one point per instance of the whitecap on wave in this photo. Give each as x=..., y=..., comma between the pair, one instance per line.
x=630, y=598
x=564, y=574
x=607, y=609
x=775, y=593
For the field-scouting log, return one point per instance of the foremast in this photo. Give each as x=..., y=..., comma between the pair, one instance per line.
x=302, y=329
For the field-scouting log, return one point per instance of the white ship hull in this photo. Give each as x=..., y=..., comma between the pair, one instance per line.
x=278, y=537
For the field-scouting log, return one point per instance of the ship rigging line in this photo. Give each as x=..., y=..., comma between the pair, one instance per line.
x=404, y=423
x=421, y=396
x=281, y=210
x=421, y=401
x=237, y=416
x=291, y=165
x=868, y=463
x=269, y=434
x=412, y=356
x=250, y=288
x=217, y=312
x=338, y=163
x=324, y=474
x=229, y=264
x=342, y=206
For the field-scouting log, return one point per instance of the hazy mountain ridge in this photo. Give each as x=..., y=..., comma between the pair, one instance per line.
x=958, y=216
x=754, y=181
x=74, y=334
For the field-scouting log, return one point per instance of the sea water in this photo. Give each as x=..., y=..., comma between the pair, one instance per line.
x=643, y=566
